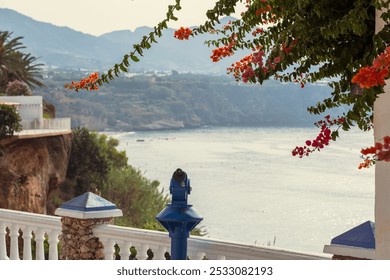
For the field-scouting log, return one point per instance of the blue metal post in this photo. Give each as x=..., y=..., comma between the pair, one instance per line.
x=179, y=218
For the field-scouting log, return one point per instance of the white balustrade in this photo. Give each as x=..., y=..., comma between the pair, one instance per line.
x=44, y=228
x=3, y=248
x=198, y=247
x=27, y=235
x=42, y=126
x=33, y=227
x=125, y=238
x=14, y=249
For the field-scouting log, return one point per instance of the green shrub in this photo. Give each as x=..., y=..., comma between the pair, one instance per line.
x=96, y=165
x=138, y=198
x=9, y=121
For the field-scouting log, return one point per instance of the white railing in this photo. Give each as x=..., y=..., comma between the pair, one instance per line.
x=21, y=229
x=114, y=237
x=42, y=126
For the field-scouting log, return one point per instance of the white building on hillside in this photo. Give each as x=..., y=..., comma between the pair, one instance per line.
x=30, y=109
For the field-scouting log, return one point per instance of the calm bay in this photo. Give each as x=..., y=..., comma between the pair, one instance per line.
x=250, y=189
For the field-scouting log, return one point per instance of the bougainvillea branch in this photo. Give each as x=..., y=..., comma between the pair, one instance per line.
x=323, y=138
x=299, y=41
x=182, y=33
x=86, y=84
x=379, y=152
x=375, y=75
x=133, y=56
x=316, y=42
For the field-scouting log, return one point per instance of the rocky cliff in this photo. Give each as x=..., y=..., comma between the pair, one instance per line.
x=31, y=169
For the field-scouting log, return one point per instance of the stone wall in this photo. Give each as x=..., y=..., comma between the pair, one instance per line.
x=77, y=239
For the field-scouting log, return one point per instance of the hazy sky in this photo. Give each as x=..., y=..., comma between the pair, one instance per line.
x=97, y=16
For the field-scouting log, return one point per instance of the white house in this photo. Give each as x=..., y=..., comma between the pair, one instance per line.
x=30, y=109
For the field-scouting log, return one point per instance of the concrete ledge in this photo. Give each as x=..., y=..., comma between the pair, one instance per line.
x=88, y=215
x=349, y=251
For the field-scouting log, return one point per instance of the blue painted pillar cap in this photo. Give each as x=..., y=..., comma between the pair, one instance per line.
x=88, y=206
x=362, y=236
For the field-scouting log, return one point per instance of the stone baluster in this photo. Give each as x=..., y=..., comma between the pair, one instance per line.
x=215, y=257
x=142, y=254
x=53, y=245
x=153, y=248
x=14, y=248
x=3, y=244
x=159, y=253
x=79, y=217
x=141, y=251
x=40, y=248
x=125, y=251
x=27, y=243
x=194, y=255
x=109, y=249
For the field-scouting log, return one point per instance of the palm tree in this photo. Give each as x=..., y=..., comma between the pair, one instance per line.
x=15, y=65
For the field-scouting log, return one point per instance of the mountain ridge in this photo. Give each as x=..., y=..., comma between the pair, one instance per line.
x=62, y=46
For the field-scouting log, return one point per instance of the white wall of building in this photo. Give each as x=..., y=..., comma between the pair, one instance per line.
x=29, y=107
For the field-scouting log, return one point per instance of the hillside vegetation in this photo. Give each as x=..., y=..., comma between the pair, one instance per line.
x=145, y=102
x=96, y=165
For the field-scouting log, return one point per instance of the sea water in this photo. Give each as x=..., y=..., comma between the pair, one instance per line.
x=250, y=189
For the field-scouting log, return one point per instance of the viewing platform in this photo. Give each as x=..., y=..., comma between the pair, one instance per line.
x=30, y=109
x=19, y=230
x=32, y=128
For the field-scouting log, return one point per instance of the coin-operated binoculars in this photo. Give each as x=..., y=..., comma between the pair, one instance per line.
x=178, y=217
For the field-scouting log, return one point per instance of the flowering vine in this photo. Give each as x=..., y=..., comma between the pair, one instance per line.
x=378, y=152
x=88, y=83
x=224, y=51
x=183, y=33
x=369, y=77
x=282, y=36
x=375, y=75
x=92, y=83
x=316, y=41
x=323, y=138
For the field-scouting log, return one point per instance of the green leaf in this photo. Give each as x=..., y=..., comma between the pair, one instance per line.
x=177, y=6
x=145, y=44
x=105, y=79
x=134, y=58
x=164, y=24
x=138, y=48
x=110, y=75
x=123, y=68
x=152, y=39
x=126, y=60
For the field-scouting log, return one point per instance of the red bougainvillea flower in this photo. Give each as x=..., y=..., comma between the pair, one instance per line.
x=322, y=140
x=369, y=77
x=376, y=74
x=257, y=31
x=378, y=152
x=224, y=51
x=183, y=33
x=366, y=163
x=383, y=60
x=86, y=84
x=240, y=67
x=255, y=62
